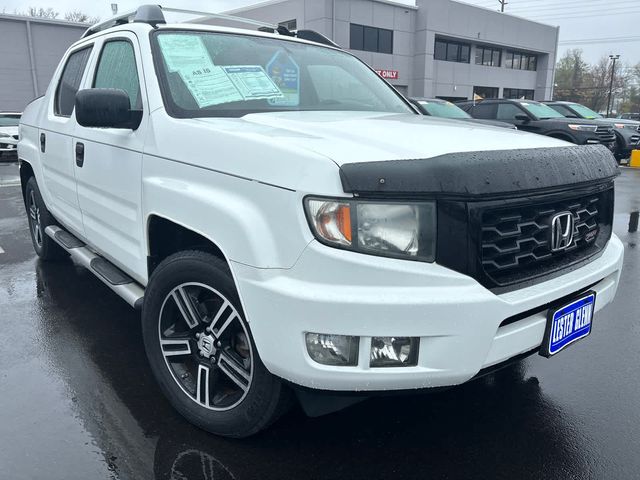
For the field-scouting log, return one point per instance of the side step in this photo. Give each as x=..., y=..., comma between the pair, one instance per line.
x=114, y=278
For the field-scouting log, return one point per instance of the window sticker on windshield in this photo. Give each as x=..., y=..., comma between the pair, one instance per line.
x=285, y=73
x=210, y=86
x=184, y=52
x=252, y=82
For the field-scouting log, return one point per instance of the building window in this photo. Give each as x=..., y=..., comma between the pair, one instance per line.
x=488, y=56
x=371, y=39
x=289, y=25
x=485, y=92
x=450, y=51
x=521, y=61
x=518, y=93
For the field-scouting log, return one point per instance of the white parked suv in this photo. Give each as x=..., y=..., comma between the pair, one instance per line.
x=287, y=223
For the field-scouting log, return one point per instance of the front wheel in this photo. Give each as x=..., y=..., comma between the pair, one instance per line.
x=201, y=350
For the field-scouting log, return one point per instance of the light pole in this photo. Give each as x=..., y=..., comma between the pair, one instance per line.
x=613, y=72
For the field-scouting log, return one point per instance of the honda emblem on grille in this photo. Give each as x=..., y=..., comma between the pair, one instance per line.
x=561, y=231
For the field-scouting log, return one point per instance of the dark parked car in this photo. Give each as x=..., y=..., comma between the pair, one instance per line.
x=536, y=117
x=437, y=107
x=627, y=131
x=630, y=116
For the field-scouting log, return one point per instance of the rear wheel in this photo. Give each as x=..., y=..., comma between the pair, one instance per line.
x=201, y=350
x=39, y=219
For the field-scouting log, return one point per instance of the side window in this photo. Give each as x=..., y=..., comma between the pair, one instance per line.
x=561, y=109
x=117, y=69
x=486, y=111
x=508, y=112
x=70, y=80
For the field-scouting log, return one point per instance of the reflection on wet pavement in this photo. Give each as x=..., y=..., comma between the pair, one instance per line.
x=79, y=401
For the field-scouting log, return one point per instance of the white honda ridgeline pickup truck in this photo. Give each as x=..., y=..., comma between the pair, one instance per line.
x=287, y=223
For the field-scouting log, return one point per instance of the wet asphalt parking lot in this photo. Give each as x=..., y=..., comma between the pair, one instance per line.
x=78, y=401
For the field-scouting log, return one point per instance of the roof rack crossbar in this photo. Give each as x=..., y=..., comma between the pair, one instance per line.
x=111, y=22
x=222, y=16
x=154, y=15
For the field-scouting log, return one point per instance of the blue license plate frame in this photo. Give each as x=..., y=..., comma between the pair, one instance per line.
x=567, y=323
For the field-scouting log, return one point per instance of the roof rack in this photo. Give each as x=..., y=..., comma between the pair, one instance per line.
x=154, y=16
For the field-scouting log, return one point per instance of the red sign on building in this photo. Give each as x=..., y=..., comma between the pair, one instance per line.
x=388, y=74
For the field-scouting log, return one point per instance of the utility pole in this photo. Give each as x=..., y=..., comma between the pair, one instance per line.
x=613, y=73
x=502, y=4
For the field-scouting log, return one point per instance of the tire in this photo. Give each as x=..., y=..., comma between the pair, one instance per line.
x=39, y=219
x=201, y=350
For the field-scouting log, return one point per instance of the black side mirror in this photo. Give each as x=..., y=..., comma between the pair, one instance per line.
x=106, y=108
x=523, y=118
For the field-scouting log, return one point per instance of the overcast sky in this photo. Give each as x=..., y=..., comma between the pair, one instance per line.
x=599, y=27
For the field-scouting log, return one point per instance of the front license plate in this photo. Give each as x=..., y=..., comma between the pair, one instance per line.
x=568, y=324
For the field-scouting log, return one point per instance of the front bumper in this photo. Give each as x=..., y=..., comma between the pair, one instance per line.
x=630, y=141
x=458, y=321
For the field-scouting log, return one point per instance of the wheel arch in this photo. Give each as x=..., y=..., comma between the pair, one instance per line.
x=26, y=172
x=165, y=237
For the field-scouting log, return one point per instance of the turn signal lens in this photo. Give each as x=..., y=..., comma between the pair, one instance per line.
x=331, y=220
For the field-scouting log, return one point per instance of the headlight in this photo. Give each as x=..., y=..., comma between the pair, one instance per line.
x=390, y=229
x=4, y=135
x=583, y=128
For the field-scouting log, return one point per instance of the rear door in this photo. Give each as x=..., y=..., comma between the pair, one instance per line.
x=56, y=142
x=109, y=173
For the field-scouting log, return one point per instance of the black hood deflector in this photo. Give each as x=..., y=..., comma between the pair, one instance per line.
x=479, y=174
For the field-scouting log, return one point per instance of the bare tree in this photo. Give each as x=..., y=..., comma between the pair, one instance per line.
x=41, y=12
x=80, y=17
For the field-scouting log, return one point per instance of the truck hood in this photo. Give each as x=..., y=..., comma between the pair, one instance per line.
x=351, y=137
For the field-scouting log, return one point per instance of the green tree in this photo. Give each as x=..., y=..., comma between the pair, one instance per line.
x=572, y=77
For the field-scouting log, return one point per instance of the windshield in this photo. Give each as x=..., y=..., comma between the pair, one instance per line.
x=540, y=110
x=443, y=109
x=585, y=112
x=9, y=120
x=206, y=74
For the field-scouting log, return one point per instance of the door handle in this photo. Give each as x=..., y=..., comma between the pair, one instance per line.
x=43, y=142
x=79, y=154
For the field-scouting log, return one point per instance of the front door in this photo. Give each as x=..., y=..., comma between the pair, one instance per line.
x=109, y=163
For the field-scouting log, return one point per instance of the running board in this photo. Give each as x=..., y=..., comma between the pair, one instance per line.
x=114, y=278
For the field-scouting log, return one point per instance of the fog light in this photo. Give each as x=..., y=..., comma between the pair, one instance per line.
x=394, y=351
x=338, y=350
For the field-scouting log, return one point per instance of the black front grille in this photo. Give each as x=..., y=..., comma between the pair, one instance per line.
x=605, y=134
x=515, y=241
